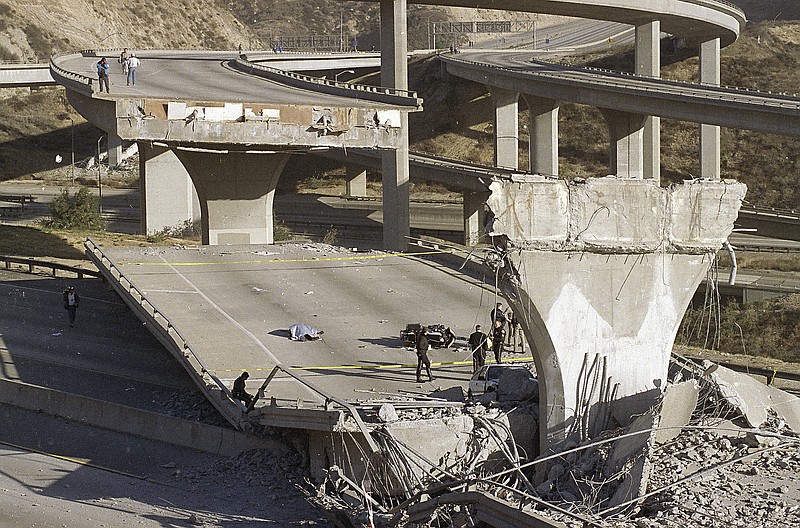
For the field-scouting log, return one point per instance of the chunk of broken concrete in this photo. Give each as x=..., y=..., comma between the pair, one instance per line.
x=752, y=398
x=387, y=413
x=677, y=406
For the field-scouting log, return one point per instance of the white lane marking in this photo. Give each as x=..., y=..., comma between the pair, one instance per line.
x=169, y=291
x=223, y=312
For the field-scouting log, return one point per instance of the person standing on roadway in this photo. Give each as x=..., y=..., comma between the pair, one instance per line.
x=71, y=301
x=477, y=342
x=239, y=392
x=498, y=314
x=133, y=63
x=123, y=60
x=102, y=74
x=422, y=354
x=498, y=338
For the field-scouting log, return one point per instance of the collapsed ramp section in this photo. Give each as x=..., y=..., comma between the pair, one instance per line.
x=162, y=328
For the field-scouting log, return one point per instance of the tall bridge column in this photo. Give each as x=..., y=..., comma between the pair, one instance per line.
x=114, y=150
x=626, y=133
x=394, y=163
x=167, y=193
x=236, y=191
x=543, y=142
x=648, y=64
x=506, y=128
x=474, y=216
x=599, y=274
x=355, y=181
x=709, y=134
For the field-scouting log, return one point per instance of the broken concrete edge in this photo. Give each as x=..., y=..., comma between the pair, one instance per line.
x=613, y=215
x=129, y=420
x=752, y=399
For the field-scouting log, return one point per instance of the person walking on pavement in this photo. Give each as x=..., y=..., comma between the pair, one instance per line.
x=123, y=60
x=422, y=354
x=477, y=342
x=71, y=301
x=239, y=392
x=498, y=338
x=102, y=74
x=133, y=63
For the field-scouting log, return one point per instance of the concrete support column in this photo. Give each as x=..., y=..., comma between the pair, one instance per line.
x=599, y=274
x=648, y=64
x=626, y=132
x=236, y=191
x=355, y=181
x=709, y=134
x=394, y=164
x=167, y=193
x=114, y=150
x=474, y=217
x=506, y=128
x=543, y=142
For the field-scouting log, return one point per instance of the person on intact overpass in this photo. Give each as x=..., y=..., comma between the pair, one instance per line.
x=102, y=74
x=239, y=392
x=133, y=63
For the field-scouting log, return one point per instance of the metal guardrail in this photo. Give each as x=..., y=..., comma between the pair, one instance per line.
x=741, y=96
x=32, y=264
x=167, y=329
x=357, y=91
x=769, y=373
x=58, y=73
x=199, y=368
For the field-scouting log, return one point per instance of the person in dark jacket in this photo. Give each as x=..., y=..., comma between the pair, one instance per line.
x=422, y=354
x=239, y=392
x=102, y=74
x=498, y=314
x=498, y=339
x=71, y=301
x=477, y=342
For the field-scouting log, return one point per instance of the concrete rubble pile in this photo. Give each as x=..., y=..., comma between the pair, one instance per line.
x=719, y=450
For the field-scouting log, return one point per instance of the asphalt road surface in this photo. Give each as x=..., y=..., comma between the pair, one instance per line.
x=235, y=305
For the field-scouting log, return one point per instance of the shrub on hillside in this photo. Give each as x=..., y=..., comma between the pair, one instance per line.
x=75, y=212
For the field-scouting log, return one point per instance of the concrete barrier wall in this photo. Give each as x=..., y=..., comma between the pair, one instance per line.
x=150, y=425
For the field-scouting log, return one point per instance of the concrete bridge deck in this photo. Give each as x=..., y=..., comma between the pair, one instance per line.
x=234, y=306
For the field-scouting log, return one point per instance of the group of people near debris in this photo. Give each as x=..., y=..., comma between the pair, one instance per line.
x=498, y=338
x=129, y=62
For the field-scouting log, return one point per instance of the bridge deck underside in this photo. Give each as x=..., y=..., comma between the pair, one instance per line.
x=234, y=305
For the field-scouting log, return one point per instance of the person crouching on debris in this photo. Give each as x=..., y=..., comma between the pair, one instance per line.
x=422, y=354
x=239, y=392
x=71, y=301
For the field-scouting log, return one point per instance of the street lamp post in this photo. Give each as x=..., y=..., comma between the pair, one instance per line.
x=72, y=133
x=341, y=30
x=99, y=181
